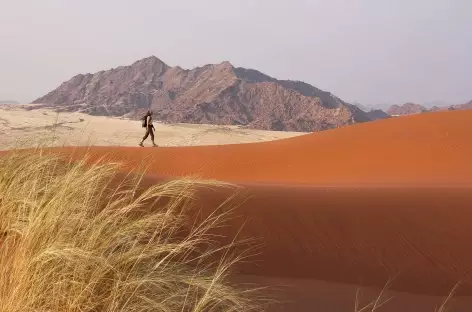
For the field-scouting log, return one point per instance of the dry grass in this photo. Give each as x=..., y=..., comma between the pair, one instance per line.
x=380, y=301
x=72, y=240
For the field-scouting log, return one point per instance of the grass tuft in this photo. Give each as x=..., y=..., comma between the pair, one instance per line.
x=75, y=239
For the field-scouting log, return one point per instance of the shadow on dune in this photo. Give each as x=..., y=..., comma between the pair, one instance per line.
x=316, y=246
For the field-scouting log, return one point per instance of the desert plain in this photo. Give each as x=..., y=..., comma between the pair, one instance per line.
x=335, y=211
x=21, y=126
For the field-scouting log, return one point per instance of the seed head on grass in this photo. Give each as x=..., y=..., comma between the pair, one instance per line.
x=72, y=239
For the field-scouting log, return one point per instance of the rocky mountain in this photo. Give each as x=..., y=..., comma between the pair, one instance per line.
x=375, y=114
x=214, y=94
x=406, y=109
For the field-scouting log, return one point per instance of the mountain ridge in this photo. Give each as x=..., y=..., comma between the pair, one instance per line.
x=213, y=93
x=411, y=108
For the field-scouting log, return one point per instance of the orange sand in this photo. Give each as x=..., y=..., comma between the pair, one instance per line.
x=428, y=149
x=308, y=295
x=367, y=235
x=398, y=201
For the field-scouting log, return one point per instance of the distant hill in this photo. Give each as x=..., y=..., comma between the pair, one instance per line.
x=465, y=106
x=213, y=94
x=365, y=108
x=375, y=114
x=436, y=103
x=8, y=102
x=410, y=108
x=406, y=109
x=372, y=113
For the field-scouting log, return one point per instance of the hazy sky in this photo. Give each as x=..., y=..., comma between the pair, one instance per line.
x=370, y=51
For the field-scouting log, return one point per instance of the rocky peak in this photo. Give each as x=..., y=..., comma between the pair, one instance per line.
x=406, y=109
x=149, y=61
x=150, y=65
x=225, y=65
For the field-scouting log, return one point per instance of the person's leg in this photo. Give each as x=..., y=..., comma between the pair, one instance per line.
x=145, y=136
x=151, y=132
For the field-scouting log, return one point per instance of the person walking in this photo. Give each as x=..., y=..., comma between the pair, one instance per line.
x=147, y=123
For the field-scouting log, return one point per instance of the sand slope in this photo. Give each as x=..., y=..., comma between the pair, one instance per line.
x=363, y=236
x=434, y=148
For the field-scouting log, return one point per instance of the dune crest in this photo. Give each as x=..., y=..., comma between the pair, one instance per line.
x=428, y=149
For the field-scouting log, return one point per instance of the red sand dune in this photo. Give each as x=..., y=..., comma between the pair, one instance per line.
x=357, y=230
x=427, y=148
x=365, y=236
x=309, y=295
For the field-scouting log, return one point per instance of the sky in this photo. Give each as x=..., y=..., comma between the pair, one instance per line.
x=375, y=52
